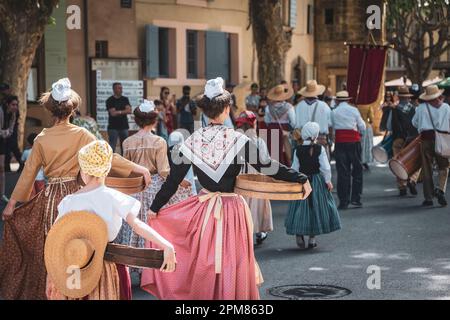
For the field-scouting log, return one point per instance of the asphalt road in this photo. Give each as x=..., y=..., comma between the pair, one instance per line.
x=409, y=244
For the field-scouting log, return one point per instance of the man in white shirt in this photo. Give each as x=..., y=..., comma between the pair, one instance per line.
x=348, y=126
x=311, y=109
x=430, y=116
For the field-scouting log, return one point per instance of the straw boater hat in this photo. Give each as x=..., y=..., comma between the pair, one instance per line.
x=403, y=92
x=312, y=89
x=431, y=92
x=76, y=242
x=343, y=96
x=282, y=92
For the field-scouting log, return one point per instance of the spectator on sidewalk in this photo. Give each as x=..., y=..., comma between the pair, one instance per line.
x=118, y=108
x=187, y=109
x=11, y=113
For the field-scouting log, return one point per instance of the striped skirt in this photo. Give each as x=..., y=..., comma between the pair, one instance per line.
x=317, y=215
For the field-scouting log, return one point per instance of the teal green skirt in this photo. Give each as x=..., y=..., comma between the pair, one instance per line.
x=316, y=215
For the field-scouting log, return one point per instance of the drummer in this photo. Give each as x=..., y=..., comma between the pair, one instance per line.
x=431, y=115
x=348, y=126
x=397, y=121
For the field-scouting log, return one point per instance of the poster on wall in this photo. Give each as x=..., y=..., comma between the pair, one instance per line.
x=133, y=90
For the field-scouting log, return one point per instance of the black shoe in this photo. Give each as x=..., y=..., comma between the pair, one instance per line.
x=441, y=197
x=427, y=203
x=403, y=193
x=412, y=188
x=357, y=204
x=260, y=237
x=343, y=206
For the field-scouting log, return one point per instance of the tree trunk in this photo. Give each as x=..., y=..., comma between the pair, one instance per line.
x=272, y=41
x=22, y=26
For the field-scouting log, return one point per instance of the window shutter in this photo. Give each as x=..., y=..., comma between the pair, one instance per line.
x=217, y=55
x=293, y=13
x=152, y=51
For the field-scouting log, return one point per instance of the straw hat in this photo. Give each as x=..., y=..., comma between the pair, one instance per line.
x=343, y=96
x=282, y=92
x=403, y=92
x=431, y=92
x=312, y=89
x=76, y=242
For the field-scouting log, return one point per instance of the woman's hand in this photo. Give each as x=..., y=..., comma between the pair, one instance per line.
x=151, y=215
x=145, y=172
x=9, y=210
x=170, y=260
x=185, y=184
x=330, y=186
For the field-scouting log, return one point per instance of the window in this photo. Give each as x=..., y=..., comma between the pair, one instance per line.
x=127, y=4
x=310, y=20
x=163, y=46
x=101, y=49
x=329, y=16
x=160, y=52
x=192, y=54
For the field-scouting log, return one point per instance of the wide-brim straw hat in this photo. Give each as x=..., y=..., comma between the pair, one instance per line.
x=74, y=253
x=403, y=92
x=343, y=96
x=431, y=92
x=282, y=92
x=312, y=89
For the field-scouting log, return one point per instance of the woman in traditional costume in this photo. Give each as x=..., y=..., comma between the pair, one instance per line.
x=318, y=214
x=261, y=208
x=150, y=151
x=22, y=270
x=280, y=120
x=212, y=233
x=87, y=220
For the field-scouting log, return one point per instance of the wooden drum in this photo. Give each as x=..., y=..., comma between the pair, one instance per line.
x=263, y=187
x=408, y=161
x=131, y=185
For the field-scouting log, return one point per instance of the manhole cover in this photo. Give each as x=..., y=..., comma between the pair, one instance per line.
x=309, y=291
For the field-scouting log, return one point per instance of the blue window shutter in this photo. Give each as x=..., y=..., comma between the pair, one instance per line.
x=152, y=51
x=293, y=13
x=217, y=55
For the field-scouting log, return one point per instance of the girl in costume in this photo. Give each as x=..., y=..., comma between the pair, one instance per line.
x=261, y=209
x=318, y=214
x=212, y=232
x=22, y=270
x=112, y=207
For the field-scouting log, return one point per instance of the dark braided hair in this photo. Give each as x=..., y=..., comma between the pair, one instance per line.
x=214, y=107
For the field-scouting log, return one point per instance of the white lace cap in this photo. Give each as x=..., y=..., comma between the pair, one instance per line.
x=214, y=88
x=62, y=90
x=147, y=106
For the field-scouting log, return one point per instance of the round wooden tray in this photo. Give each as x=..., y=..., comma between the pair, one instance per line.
x=131, y=185
x=264, y=187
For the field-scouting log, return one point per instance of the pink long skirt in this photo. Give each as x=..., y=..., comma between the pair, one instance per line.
x=203, y=272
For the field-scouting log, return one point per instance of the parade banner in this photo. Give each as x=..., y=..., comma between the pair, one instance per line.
x=365, y=78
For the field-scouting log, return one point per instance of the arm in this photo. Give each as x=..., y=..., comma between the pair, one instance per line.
x=168, y=189
x=24, y=186
x=325, y=168
x=295, y=162
x=292, y=118
x=269, y=167
x=151, y=235
x=415, y=120
x=162, y=161
x=360, y=123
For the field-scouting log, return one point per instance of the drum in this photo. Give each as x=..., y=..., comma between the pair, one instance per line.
x=383, y=151
x=408, y=161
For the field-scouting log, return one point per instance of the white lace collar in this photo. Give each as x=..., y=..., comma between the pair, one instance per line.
x=213, y=149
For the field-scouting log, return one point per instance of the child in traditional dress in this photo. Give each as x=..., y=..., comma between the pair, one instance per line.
x=261, y=209
x=113, y=207
x=318, y=215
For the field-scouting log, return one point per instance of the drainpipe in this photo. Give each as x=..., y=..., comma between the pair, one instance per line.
x=86, y=56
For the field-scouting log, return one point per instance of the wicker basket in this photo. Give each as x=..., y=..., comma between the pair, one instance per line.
x=131, y=185
x=264, y=187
